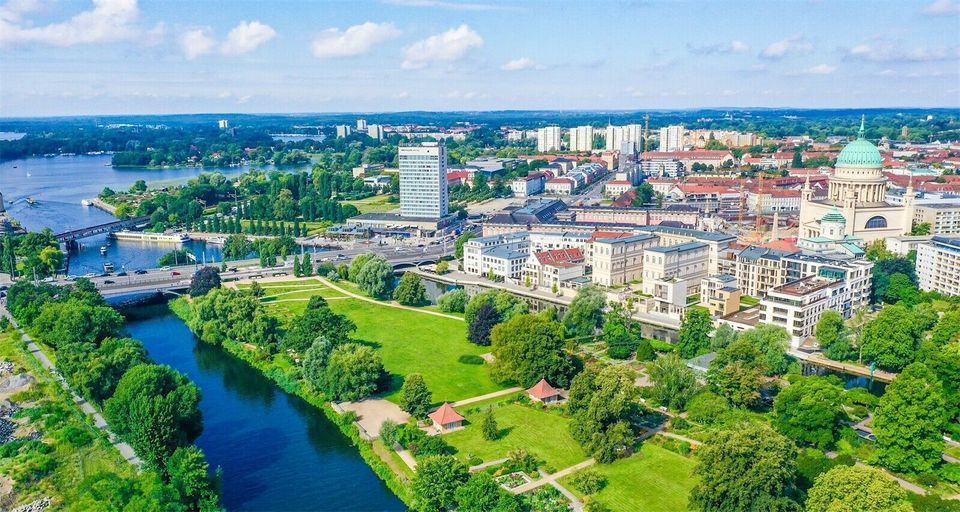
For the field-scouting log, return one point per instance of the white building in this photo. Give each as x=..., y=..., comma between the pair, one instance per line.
x=798, y=305
x=562, y=186
x=423, y=180
x=618, y=260
x=938, y=265
x=902, y=245
x=531, y=184
x=616, y=136
x=671, y=138
x=501, y=255
x=581, y=138
x=548, y=139
x=661, y=167
x=944, y=218
x=671, y=274
x=616, y=188
x=223, y=124
x=361, y=125
x=550, y=268
x=343, y=131
x=375, y=131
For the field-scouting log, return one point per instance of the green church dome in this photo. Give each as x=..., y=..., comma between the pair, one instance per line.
x=833, y=216
x=860, y=153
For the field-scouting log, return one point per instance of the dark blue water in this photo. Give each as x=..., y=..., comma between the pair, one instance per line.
x=277, y=451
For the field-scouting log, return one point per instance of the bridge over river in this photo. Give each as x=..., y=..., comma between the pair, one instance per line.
x=109, y=227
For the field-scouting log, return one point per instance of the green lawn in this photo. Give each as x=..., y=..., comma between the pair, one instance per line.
x=653, y=480
x=374, y=204
x=408, y=342
x=544, y=434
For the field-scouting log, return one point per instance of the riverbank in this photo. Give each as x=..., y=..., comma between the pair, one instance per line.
x=288, y=379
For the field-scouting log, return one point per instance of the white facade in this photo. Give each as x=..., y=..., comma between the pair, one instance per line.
x=938, y=265
x=548, y=139
x=619, y=261
x=661, y=167
x=581, y=138
x=343, y=130
x=671, y=138
x=616, y=188
x=797, y=306
x=361, y=125
x=223, y=124
x=529, y=185
x=423, y=180
x=563, y=186
x=944, y=217
x=502, y=255
x=375, y=131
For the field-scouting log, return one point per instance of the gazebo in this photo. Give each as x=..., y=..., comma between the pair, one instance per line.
x=446, y=418
x=545, y=393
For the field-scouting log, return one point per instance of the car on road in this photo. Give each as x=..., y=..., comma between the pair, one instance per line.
x=165, y=267
x=140, y=272
x=108, y=281
x=232, y=269
x=174, y=273
x=89, y=275
x=121, y=273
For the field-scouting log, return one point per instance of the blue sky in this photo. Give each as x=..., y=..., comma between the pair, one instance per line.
x=123, y=56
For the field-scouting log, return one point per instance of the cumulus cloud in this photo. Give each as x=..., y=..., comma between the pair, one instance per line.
x=941, y=8
x=521, y=64
x=447, y=46
x=106, y=21
x=196, y=43
x=780, y=49
x=881, y=49
x=246, y=37
x=820, y=69
x=710, y=49
x=355, y=40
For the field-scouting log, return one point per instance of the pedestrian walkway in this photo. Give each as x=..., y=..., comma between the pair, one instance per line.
x=406, y=457
x=125, y=449
x=390, y=304
x=495, y=394
x=546, y=479
x=575, y=504
x=485, y=465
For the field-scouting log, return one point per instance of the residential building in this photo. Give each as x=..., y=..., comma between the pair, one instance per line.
x=361, y=125
x=944, y=218
x=540, y=241
x=562, y=186
x=720, y=294
x=776, y=200
x=798, y=305
x=625, y=139
x=547, y=269
x=531, y=184
x=660, y=167
x=938, y=265
x=902, y=245
x=343, y=131
x=500, y=255
x=619, y=259
x=615, y=188
x=671, y=138
x=671, y=274
x=375, y=131
x=548, y=139
x=759, y=269
x=223, y=124
x=857, y=275
x=581, y=138
x=423, y=180
x=718, y=244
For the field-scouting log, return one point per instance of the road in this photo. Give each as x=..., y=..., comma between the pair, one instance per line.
x=125, y=449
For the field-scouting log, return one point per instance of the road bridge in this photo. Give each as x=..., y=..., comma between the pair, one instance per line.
x=109, y=227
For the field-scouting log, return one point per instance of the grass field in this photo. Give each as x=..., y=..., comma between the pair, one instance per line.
x=653, y=479
x=544, y=434
x=408, y=341
x=374, y=204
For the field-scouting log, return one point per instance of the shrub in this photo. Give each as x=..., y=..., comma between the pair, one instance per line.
x=707, y=408
x=928, y=479
x=388, y=433
x=453, y=301
x=950, y=473
x=662, y=346
x=470, y=359
x=645, y=350
x=679, y=423
x=521, y=460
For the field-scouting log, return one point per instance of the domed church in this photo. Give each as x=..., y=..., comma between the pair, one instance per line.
x=857, y=190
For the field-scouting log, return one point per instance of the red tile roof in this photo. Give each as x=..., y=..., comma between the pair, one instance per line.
x=596, y=235
x=445, y=414
x=542, y=390
x=618, y=182
x=559, y=257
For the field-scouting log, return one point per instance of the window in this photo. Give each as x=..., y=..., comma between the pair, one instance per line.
x=876, y=222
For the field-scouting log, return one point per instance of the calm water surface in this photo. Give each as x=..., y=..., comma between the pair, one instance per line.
x=277, y=451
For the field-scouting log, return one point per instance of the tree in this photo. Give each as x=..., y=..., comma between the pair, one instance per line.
x=856, y=489
x=453, y=301
x=749, y=467
x=352, y=372
x=489, y=427
x=809, y=411
x=317, y=320
x=603, y=400
x=947, y=329
x=723, y=336
x=528, y=348
x=921, y=229
x=674, y=384
x=188, y=473
x=256, y=289
x=797, y=161
x=375, y=278
x=437, y=480
x=204, y=280
x=707, y=408
x=483, y=322
x=585, y=314
x=645, y=195
x=236, y=247
x=156, y=409
x=482, y=494
x=618, y=333
x=306, y=266
x=443, y=267
x=410, y=291
x=900, y=289
x=737, y=373
x=506, y=304
x=458, y=245
x=315, y=362
x=357, y=264
x=909, y=421
x=72, y=321
x=891, y=339
x=831, y=335
x=771, y=341
x=97, y=372
x=694, y=336
x=296, y=265
x=415, y=397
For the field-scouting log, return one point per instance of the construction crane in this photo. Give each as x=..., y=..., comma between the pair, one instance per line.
x=743, y=205
x=646, y=133
x=760, y=204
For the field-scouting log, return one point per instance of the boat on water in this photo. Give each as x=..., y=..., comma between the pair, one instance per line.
x=103, y=250
x=107, y=266
x=85, y=202
x=142, y=236
x=28, y=175
x=216, y=240
x=31, y=201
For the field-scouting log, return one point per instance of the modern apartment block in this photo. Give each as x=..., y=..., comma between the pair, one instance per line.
x=423, y=180
x=616, y=136
x=671, y=138
x=759, y=269
x=375, y=131
x=938, y=265
x=548, y=139
x=671, y=274
x=550, y=268
x=619, y=260
x=501, y=255
x=944, y=218
x=343, y=130
x=797, y=306
x=720, y=294
x=581, y=138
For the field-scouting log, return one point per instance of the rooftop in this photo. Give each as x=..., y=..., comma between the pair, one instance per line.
x=445, y=414
x=695, y=233
x=684, y=247
x=543, y=390
x=805, y=286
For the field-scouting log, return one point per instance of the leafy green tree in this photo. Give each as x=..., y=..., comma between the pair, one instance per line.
x=506, y=304
x=645, y=350
x=317, y=320
x=857, y=489
x=204, y=280
x=748, y=467
x=797, y=161
x=645, y=195
x=891, y=339
x=72, y=321
x=375, y=278
x=188, y=473
x=483, y=322
x=618, y=333
x=723, y=336
x=482, y=494
x=437, y=480
x=528, y=348
x=415, y=397
x=176, y=257
x=909, y=421
x=156, y=409
x=306, y=266
x=410, y=291
x=901, y=289
x=832, y=336
x=315, y=361
x=737, y=373
x=97, y=372
x=462, y=239
x=771, y=341
x=236, y=247
x=694, y=336
x=585, y=314
x=707, y=408
x=296, y=266
x=443, y=267
x=809, y=411
x=256, y=289
x=453, y=301
x=920, y=229
x=352, y=372
x=357, y=264
x=674, y=384
x=604, y=399
x=489, y=427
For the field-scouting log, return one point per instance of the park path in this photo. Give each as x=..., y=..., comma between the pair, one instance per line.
x=125, y=449
x=495, y=394
x=485, y=465
x=390, y=304
x=575, y=504
x=552, y=477
x=406, y=457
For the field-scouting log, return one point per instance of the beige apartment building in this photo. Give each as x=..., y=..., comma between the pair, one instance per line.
x=938, y=265
x=944, y=218
x=619, y=260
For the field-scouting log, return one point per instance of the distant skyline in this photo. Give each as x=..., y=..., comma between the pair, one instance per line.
x=79, y=57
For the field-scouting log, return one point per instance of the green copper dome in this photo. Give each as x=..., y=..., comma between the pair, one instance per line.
x=833, y=216
x=860, y=153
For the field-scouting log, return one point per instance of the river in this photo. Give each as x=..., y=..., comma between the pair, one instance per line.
x=277, y=451
x=58, y=184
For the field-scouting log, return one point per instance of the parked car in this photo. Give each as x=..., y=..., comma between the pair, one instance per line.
x=140, y=272
x=121, y=273
x=108, y=281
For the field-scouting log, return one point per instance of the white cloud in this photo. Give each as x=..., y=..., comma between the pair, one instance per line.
x=820, y=69
x=196, y=43
x=880, y=49
x=355, y=40
x=521, y=64
x=457, y=6
x=780, y=49
x=469, y=95
x=942, y=8
x=710, y=49
x=401, y=95
x=108, y=20
x=246, y=37
x=449, y=46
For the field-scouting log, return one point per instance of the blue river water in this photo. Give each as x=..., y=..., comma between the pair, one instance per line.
x=278, y=453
